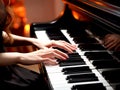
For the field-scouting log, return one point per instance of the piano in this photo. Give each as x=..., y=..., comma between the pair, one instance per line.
x=91, y=66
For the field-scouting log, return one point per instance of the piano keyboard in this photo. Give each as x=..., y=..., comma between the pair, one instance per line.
x=80, y=71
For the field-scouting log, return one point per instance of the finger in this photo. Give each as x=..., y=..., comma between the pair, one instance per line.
x=60, y=55
x=107, y=42
x=111, y=45
x=117, y=47
x=68, y=47
x=48, y=61
x=108, y=35
x=108, y=39
x=72, y=47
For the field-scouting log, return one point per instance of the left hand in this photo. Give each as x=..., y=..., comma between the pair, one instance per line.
x=55, y=43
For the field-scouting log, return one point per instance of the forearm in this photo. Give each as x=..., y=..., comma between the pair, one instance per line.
x=17, y=40
x=21, y=41
x=9, y=58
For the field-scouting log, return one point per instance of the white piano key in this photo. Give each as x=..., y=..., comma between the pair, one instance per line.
x=57, y=68
x=61, y=79
x=42, y=36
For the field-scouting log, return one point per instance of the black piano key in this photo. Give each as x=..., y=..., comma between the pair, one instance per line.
x=94, y=86
x=72, y=33
x=117, y=54
x=100, y=64
x=74, y=58
x=74, y=55
x=81, y=78
x=60, y=49
x=56, y=35
x=84, y=40
x=75, y=70
x=58, y=38
x=72, y=61
x=54, y=32
x=98, y=55
x=117, y=86
x=113, y=75
x=88, y=47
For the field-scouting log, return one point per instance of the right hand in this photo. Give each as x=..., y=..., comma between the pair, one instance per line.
x=47, y=56
x=112, y=42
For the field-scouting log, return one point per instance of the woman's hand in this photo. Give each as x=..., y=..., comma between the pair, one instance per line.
x=112, y=42
x=55, y=43
x=47, y=56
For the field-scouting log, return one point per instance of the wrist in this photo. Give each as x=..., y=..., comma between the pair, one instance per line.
x=52, y=43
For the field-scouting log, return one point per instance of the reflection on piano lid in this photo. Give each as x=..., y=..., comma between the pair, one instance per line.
x=113, y=2
x=102, y=12
x=91, y=66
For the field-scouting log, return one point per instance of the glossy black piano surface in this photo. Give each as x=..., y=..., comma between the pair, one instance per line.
x=113, y=2
x=86, y=22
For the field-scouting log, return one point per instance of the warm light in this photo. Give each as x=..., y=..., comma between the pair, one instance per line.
x=76, y=15
x=79, y=16
x=27, y=29
x=20, y=11
x=97, y=2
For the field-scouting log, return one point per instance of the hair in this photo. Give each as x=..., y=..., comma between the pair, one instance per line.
x=8, y=17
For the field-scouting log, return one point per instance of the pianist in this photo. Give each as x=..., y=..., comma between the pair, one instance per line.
x=112, y=42
x=16, y=77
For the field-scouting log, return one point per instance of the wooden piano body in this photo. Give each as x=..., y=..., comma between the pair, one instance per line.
x=83, y=22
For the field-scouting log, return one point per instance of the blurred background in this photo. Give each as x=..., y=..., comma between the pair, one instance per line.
x=29, y=11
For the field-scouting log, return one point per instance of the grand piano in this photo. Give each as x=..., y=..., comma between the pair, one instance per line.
x=91, y=66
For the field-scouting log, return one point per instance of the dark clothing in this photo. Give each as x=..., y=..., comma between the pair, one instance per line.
x=16, y=77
